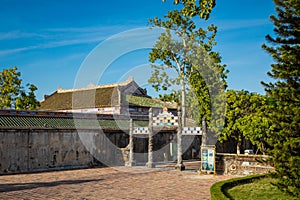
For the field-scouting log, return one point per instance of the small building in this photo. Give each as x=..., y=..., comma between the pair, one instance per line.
x=119, y=98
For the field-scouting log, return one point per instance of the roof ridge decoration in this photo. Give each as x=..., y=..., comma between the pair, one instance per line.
x=91, y=86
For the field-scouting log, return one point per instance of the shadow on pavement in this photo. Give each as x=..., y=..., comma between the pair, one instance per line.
x=27, y=186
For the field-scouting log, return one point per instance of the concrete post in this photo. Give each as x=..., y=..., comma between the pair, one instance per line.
x=183, y=102
x=204, y=132
x=131, y=158
x=179, y=166
x=150, y=140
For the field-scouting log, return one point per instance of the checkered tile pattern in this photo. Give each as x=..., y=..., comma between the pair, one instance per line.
x=191, y=131
x=165, y=121
x=141, y=130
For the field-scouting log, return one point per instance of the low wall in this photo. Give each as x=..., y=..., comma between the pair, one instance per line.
x=30, y=150
x=36, y=150
x=234, y=164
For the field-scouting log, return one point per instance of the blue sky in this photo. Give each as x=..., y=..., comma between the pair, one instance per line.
x=50, y=41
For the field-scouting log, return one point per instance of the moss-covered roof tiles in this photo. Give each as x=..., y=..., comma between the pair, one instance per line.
x=149, y=102
x=62, y=122
x=44, y=119
x=92, y=98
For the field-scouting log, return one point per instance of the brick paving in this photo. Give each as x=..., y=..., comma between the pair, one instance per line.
x=162, y=182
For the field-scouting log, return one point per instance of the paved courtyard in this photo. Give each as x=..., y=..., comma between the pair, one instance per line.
x=110, y=183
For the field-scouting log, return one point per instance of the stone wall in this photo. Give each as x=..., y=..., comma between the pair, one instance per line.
x=36, y=150
x=30, y=150
x=233, y=164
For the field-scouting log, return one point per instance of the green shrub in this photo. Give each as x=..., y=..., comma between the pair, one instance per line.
x=218, y=191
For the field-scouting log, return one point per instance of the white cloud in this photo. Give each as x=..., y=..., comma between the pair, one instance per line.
x=16, y=50
x=226, y=25
x=58, y=37
x=17, y=35
x=85, y=29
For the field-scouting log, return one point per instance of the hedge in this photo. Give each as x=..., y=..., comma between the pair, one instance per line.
x=218, y=191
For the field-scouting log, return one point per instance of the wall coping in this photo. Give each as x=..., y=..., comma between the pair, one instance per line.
x=242, y=155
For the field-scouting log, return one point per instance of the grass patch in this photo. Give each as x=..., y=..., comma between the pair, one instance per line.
x=218, y=191
x=260, y=189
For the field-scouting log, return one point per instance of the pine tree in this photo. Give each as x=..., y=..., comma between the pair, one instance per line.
x=284, y=92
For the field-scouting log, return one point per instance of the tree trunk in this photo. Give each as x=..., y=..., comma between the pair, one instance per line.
x=150, y=140
x=183, y=98
x=179, y=166
x=204, y=132
x=238, y=147
x=263, y=148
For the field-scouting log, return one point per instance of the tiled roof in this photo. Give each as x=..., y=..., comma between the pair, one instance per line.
x=61, y=123
x=80, y=99
x=41, y=119
x=149, y=102
x=90, y=97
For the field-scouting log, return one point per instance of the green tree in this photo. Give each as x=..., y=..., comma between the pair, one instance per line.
x=284, y=93
x=174, y=96
x=191, y=8
x=10, y=86
x=256, y=125
x=12, y=94
x=27, y=101
x=237, y=107
x=180, y=46
x=245, y=119
x=208, y=84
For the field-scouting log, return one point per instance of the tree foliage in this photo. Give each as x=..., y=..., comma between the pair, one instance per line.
x=174, y=96
x=12, y=94
x=256, y=125
x=245, y=118
x=284, y=92
x=10, y=86
x=208, y=84
x=191, y=8
x=182, y=48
